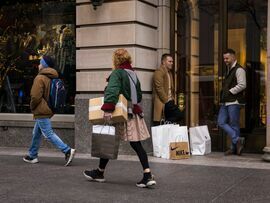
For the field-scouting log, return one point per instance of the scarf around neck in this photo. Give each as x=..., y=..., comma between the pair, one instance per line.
x=132, y=80
x=136, y=109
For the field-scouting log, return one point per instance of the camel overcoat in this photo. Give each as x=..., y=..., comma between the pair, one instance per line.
x=160, y=91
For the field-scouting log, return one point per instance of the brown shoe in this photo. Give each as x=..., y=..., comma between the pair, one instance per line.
x=240, y=145
x=229, y=152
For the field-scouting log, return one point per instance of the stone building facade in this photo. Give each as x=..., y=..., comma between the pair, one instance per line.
x=195, y=32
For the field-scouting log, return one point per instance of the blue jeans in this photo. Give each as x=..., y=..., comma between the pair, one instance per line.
x=228, y=120
x=43, y=127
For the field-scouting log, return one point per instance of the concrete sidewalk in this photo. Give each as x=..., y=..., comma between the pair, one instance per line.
x=212, y=178
x=252, y=161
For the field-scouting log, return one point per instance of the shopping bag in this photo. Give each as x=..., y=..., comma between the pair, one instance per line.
x=200, y=140
x=175, y=133
x=158, y=133
x=179, y=150
x=105, y=142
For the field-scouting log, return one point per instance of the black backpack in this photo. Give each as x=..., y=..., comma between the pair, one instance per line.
x=57, y=96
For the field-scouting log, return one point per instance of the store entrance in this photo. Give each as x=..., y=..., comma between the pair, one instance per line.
x=204, y=31
x=247, y=25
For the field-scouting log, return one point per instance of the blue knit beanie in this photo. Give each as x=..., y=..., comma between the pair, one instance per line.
x=47, y=61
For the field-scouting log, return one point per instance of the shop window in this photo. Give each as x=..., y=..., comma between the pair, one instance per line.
x=28, y=30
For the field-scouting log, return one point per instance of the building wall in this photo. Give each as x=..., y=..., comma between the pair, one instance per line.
x=135, y=25
x=143, y=28
x=16, y=130
x=128, y=24
x=140, y=26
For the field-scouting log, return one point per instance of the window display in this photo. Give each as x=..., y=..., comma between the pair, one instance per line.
x=28, y=30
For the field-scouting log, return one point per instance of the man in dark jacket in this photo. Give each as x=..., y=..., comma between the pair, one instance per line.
x=42, y=113
x=232, y=96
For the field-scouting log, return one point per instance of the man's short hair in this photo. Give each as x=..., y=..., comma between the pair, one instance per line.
x=229, y=51
x=164, y=56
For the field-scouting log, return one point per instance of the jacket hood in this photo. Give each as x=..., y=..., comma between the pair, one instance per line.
x=49, y=72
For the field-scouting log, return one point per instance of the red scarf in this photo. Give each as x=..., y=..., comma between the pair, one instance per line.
x=125, y=65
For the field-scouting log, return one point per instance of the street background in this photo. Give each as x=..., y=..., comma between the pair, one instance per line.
x=211, y=178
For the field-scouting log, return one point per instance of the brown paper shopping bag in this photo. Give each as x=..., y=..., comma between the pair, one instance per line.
x=179, y=150
x=105, y=142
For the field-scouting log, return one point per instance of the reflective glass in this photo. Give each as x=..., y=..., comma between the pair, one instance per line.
x=28, y=30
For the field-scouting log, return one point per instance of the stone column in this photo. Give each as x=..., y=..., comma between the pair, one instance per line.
x=128, y=24
x=194, y=64
x=193, y=48
x=266, y=156
x=163, y=28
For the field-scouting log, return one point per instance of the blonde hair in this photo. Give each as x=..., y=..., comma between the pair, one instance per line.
x=120, y=56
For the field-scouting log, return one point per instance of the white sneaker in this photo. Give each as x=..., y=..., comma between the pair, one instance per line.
x=30, y=160
x=69, y=156
x=147, y=183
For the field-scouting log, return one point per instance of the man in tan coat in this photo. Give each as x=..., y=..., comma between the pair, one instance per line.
x=42, y=113
x=163, y=92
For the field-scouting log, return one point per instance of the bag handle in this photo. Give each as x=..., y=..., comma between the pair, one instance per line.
x=106, y=124
x=164, y=122
x=175, y=141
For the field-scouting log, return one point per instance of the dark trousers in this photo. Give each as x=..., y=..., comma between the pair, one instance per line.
x=172, y=113
x=138, y=148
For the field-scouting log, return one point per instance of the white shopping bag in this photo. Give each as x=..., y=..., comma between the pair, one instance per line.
x=176, y=133
x=200, y=140
x=104, y=129
x=158, y=134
